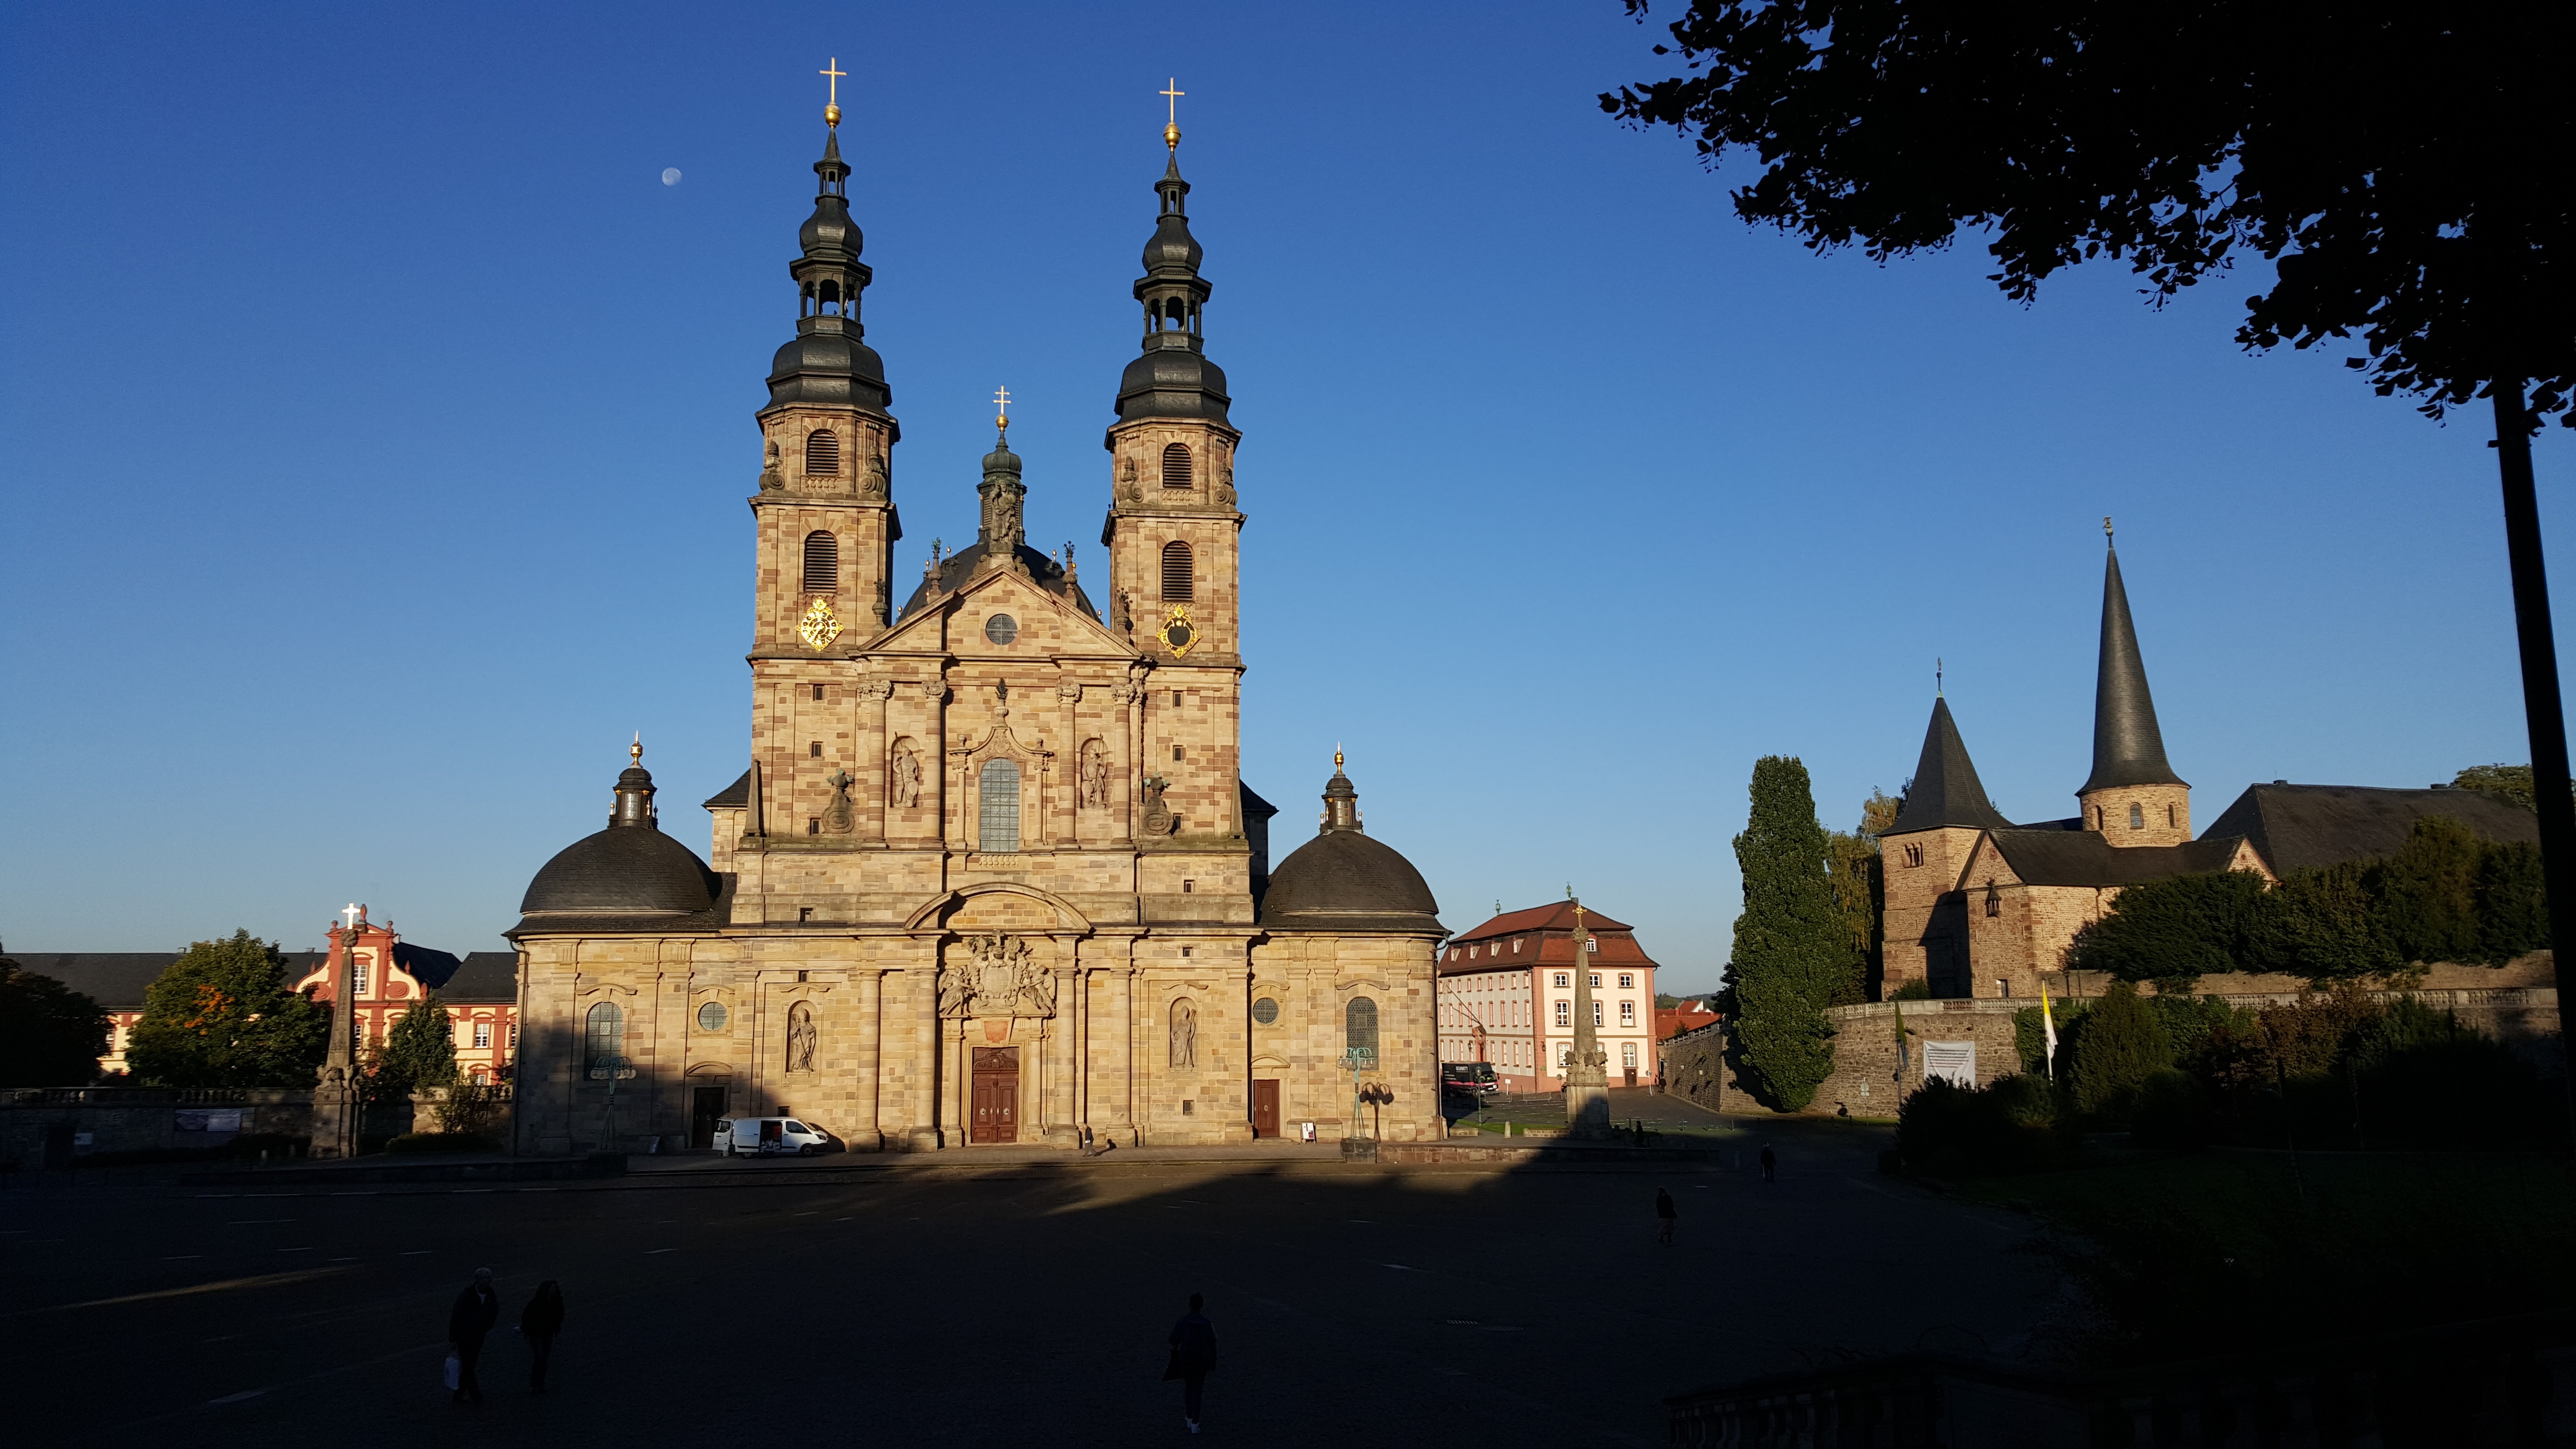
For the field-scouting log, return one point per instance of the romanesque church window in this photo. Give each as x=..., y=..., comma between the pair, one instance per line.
x=1176, y=466
x=1180, y=574
x=822, y=453
x=1359, y=1025
x=1001, y=806
x=607, y=1038
x=822, y=562
x=2137, y=817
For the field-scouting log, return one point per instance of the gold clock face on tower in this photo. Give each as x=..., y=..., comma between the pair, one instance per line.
x=1177, y=633
x=820, y=626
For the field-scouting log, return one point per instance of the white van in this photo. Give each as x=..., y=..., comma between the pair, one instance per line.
x=769, y=1137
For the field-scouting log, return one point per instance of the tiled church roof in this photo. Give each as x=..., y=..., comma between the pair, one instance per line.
x=2298, y=826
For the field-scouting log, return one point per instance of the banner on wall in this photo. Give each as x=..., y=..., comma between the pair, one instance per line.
x=1952, y=1061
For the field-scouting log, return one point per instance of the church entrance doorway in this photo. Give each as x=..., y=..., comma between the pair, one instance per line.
x=996, y=1095
x=706, y=1105
x=1265, y=1107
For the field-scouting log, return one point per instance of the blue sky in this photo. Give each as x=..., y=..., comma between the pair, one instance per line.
x=374, y=425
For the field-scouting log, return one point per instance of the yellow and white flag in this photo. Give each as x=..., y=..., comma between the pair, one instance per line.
x=2048, y=1029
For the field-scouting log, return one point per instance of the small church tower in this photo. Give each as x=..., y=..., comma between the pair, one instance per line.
x=1925, y=859
x=826, y=520
x=2133, y=797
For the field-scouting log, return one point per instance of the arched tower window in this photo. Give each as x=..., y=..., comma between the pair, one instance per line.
x=1180, y=574
x=1359, y=1025
x=823, y=453
x=822, y=562
x=1001, y=807
x=607, y=1038
x=2137, y=817
x=1176, y=466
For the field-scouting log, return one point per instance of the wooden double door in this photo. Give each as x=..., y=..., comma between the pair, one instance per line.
x=1265, y=1107
x=994, y=1113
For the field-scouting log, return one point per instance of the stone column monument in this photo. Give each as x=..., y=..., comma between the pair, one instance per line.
x=1587, y=1086
x=337, y=1107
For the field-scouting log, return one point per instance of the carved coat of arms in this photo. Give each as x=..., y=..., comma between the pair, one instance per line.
x=1002, y=978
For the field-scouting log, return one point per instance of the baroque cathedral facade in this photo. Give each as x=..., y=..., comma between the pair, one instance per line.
x=992, y=874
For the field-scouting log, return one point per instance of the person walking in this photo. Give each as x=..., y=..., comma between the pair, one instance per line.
x=1193, y=1354
x=539, y=1322
x=1770, y=1164
x=476, y=1310
x=1665, y=1212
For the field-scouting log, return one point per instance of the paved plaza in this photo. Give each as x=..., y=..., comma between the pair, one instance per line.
x=993, y=1298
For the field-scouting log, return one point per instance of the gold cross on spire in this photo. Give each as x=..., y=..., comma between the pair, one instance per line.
x=832, y=108
x=1002, y=400
x=1172, y=94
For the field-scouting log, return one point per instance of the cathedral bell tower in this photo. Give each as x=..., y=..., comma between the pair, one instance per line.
x=825, y=515
x=1173, y=531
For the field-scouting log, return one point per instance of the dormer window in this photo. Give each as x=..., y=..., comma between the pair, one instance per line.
x=1176, y=466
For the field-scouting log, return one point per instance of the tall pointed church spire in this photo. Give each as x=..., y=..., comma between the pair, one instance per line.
x=1946, y=791
x=2128, y=748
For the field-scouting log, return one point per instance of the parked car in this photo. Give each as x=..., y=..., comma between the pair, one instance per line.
x=1477, y=1077
x=769, y=1137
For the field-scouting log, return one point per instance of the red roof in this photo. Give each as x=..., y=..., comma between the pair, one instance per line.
x=1555, y=915
x=1672, y=1021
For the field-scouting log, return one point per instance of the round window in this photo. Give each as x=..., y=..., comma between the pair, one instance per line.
x=1265, y=1011
x=711, y=1017
x=1001, y=628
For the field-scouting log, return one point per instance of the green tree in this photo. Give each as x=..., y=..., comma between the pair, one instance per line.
x=1792, y=953
x=2175, y=930
x=2120, y=1041
x=2509, y=783
x=222, y=1016
x=50, y=1035
x=1860, y=888
x=2325, y=923
x=2428, y=892
x=419, y=1050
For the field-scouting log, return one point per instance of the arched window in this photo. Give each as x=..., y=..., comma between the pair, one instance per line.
x=1180, y=573
x=822, y=562
x=1001, y=809
x=1176, y=466
x=823, y=453
x=2137, y=816
x=1359, y=1025
x=607, y=1039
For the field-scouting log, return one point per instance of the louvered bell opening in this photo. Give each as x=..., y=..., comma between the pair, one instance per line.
x=822, y=563
x=1180, y=580
x=823, y=453
x=1176, y=466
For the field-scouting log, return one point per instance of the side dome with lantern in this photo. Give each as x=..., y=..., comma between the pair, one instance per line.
x=628, y=877
x=1342, y=881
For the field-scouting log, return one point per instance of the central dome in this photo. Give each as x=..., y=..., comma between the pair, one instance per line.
x=1344, y=881
x=628, y=877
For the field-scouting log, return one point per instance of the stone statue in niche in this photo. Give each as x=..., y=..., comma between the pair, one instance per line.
x=1127, y=488
x=1159, y=819
x=1225, y=486
x=1185, y=1034
x=839, y=818
x=906, y=776
x=1118, y=617
x=800, y=1037
x=770, y=481
x=873, y=481
x=885, y=601
x=1095, y=774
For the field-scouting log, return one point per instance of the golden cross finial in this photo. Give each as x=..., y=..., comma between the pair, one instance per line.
x=832, y=109
x=1002, y=400
x=1172, y=94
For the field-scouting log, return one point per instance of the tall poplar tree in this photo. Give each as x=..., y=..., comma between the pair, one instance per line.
x=1793, y=949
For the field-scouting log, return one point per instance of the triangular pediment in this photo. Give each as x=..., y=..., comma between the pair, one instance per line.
x=962, y=623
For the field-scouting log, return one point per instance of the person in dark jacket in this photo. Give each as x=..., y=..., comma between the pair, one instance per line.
x=1665, y=1211
x=539, y=1322
x=1770, y=1164
x=476, y=1310
x=1193, y=1354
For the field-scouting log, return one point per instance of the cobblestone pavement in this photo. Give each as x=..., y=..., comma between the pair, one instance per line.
x=961, y=1298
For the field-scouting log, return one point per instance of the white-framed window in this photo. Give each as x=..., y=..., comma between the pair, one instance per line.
x=1627, y=1013
x=1596, y=1011
x=1564, y=979
x=514, y=1036
x=358, y=975
x=1627, y=980
x=482, y=1036
x=1596, y=980
x=1516, y=945
x=1564, y=1057
x=1628, y=1055
x=1565, y=1013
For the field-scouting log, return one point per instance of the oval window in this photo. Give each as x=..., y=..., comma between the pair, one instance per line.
x=711, y=1017
x=1265, y=1011
x=1001, y=628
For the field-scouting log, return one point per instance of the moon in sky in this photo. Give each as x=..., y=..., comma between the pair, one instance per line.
x=670, y=175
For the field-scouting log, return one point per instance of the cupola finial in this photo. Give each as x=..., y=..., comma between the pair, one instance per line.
x=1172, y=94
x=832, y=104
